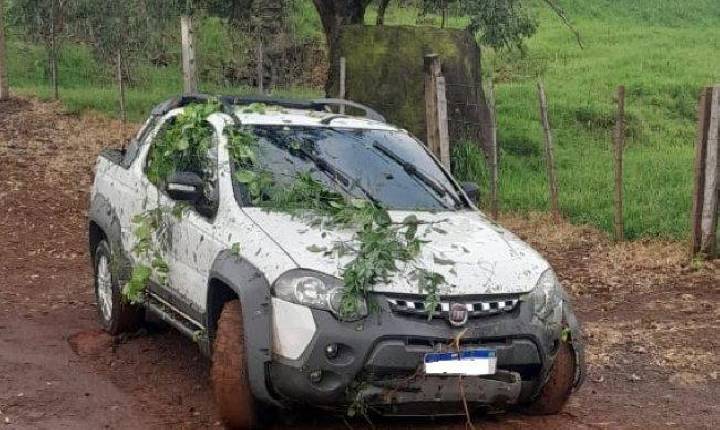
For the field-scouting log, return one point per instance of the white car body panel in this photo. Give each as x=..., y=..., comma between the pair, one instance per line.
x=475, y=255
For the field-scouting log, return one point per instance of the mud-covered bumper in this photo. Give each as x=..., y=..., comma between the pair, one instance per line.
x=379, y=362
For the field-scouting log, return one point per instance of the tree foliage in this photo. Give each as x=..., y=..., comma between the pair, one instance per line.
x=500, y=23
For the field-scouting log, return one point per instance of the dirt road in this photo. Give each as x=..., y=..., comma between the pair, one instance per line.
x=652, y=318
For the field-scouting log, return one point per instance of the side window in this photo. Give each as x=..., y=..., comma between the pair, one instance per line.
x=137, y=142
x=176, y=148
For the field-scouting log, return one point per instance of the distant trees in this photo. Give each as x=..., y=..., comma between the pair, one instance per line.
x=43, y=20
x=146, y=29
x=498, y=23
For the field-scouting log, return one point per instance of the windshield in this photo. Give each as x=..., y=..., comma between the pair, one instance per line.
x=388, y=167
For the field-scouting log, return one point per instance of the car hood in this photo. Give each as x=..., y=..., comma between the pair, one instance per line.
x=474, y=254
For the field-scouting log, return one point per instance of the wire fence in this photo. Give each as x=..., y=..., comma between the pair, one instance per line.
x=466, y=108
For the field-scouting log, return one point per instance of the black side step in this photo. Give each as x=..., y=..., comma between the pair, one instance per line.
x=169, y=314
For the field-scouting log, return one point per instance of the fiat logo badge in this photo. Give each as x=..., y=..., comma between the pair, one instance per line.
x=458, y=314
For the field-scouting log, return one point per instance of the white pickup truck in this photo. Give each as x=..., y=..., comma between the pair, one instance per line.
x=254, y=289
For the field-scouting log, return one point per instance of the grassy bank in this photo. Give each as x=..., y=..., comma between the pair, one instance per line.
x=663, y=51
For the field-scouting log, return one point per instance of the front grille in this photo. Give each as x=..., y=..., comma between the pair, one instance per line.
x=475, y=308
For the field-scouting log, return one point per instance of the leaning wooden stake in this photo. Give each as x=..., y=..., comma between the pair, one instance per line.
x=712, y=179
x=442, y=124
x=619, y=145
x=432, y=71
x=4, y=92
x=703, y=114
x=190, y=82
x=549, y=154
x=494, y=162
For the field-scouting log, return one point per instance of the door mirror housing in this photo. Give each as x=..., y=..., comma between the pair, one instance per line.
x=471, y=190
x=184, y=187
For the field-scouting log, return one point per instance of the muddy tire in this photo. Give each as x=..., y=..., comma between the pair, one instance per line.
x=116, y=316
x=559, y=385
x=229, y=371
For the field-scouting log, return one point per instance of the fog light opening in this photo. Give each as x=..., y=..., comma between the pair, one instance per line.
x=331, y=350
x=316, y=376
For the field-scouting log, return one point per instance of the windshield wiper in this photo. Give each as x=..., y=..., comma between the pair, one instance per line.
x=338, y=175
x=413, y=171
x=328, y=169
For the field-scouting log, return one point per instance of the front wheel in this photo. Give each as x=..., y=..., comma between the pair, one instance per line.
x=557, y=389
x=116, y=316
x=229, y=370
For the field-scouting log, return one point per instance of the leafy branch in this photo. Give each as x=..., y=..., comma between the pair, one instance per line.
x=183, y=146
x=378, y=243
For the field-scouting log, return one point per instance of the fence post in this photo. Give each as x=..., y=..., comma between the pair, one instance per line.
x=436, y=110
x=703, y=115
x=619, y=145
x=190, y=83
x=342, y=83
x=549, y=154
x=121, y=87
x=260, y=67
x=494, y=162
x=442, y=122
x=4, y=92
x=432, y=71
x=53, y=52
x=712, y=178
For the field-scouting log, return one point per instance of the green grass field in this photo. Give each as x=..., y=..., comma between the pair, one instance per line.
x=663, y=51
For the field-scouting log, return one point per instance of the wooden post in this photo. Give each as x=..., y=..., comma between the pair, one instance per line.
x=494, y=161
x=436, y=118
x=619, y=145
x=190, y=82
x=712, y=179
x=4, y=92
x=121, y=88
x=53, y=52
x=442, y=122
x=260, y=67
x=703, y=114
x=432, y=72
x=549, y=154
x=443, y=13
x=342, y=83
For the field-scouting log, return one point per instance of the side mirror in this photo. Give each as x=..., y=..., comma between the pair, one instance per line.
x=472, y=190
x=184, y=187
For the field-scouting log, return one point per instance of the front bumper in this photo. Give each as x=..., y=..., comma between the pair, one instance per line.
x=379, y=362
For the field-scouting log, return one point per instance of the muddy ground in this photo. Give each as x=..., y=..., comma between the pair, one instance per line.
x=651, y=316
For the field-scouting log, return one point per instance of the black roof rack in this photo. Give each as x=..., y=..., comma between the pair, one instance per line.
x=228, y=102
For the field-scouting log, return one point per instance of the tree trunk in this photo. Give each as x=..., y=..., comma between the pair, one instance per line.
x=333, y=15
x=381, y=12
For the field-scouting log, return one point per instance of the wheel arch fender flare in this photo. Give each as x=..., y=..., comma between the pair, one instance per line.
x=103, y=215
x=253, y=290
x=577, y=345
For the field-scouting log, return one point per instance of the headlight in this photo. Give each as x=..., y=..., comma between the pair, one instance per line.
x=317, y=290
x=547, y=295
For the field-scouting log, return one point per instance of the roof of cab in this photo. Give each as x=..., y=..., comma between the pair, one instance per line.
x=278, y=115
x=314, y=112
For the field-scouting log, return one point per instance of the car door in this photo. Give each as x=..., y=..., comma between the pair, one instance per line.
x=148, y=198
x=196, y=240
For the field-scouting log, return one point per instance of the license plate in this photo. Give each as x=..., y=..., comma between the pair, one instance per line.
x=471, y=362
